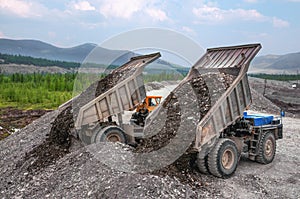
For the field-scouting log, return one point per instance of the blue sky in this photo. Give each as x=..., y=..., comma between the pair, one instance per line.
x=275, y=24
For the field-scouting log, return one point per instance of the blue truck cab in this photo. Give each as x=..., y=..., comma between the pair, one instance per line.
x=266, y=122
x=260, y=133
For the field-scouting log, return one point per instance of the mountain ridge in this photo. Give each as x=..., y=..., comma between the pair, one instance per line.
x=40, y=49
x=289, y=63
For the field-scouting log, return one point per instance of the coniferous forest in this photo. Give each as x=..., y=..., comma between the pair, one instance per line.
x=35, y=91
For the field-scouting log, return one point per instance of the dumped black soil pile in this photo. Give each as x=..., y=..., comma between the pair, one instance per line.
x=202, y=93
x=169, y=130
x=54, y=147
x=184, y=168
x=219, y=82
x=59, y=139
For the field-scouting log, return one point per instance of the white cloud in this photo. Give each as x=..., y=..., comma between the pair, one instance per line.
x=22, y=8
x=126, y=9
x=279, y=23
x=120, y=8
x=157, y=14
x=83, y=6
x=211, y=14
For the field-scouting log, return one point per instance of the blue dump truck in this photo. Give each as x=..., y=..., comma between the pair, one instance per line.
x=226, y=131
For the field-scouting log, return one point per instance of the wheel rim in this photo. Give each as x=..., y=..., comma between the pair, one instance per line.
x=113, y=137
x=269, y=148
x=227, y=159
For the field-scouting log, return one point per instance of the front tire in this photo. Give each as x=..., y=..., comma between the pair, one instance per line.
x=267, y=148
x=223, y=158
x=110, y=134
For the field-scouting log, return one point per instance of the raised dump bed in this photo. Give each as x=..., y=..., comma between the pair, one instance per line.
x=124, y=95
x=223, y=134
x=231, y=104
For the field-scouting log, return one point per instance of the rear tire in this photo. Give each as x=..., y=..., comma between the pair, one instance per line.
x=110, y=134
x=267, y=148
x=223, y=158
x=202, y=164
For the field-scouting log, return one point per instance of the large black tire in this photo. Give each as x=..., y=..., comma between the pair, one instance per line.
x=110, y=134
x=202, y=164
x=266, y=148
x=223, y=158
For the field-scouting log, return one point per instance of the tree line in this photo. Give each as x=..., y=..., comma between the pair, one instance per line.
x=20, y=59
x=48, y=91
x=279, y=77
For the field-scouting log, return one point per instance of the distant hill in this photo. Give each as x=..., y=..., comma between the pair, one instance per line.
x=288, y=63
x=78, y=54
x=39, y=49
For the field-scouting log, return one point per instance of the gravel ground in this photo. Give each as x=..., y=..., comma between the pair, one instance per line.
x=80, y=173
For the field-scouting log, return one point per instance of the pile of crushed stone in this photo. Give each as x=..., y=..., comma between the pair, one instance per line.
x=59, y=139
x=52, y=163
x=79, y=174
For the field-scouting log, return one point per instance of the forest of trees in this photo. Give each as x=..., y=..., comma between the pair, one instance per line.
x=35, y=91
x=19, y=59
x=279, y=77
x=48, y=91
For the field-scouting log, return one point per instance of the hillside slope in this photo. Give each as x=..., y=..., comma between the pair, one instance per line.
x=289, y=63
x=39, y=49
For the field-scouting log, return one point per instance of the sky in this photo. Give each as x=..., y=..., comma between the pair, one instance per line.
x=273, y=23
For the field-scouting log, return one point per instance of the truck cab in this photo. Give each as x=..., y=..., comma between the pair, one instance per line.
x=152, y=102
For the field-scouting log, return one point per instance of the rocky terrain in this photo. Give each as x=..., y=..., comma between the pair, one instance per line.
x=33, y=166
x=80, y=174
x=279, y=93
